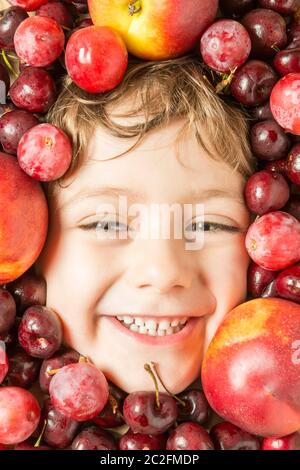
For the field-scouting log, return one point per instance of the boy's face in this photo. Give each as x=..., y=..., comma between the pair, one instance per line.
x=93, y=277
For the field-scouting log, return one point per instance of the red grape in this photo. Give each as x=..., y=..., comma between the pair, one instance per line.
x=28, y=5
x=79, y=391
x=258, y=279
x=40, y=331
x=96, y=58
x=34, y=90
x=19, y=414
x=7, y=311
x=285, y=103
x=57, y=361
x=45, y=152
x=267, y=30
x=290, y=442
x=288, y=283
x=142, y=414
x=281, y=6
x=39, y=41
x=9, y=22
x=138, y=441
x=269, y=141
x=293, y=164
x=58, y=12
x=189, y=436
x=94, y=438
x=273, y=241
x=287, y=61
x=227, y=436
x=27, y=290
x=225, y=45
x=266, y=191
x=13, y=126
x=253, y=82
x=60, y=430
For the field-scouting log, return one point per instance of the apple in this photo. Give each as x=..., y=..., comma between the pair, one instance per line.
x=23, y=219
x=251, y=370
x=155, y=29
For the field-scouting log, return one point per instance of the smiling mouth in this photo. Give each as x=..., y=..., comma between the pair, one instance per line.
x=153, y=326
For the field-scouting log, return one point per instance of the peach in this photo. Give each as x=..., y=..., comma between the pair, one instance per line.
x=153, y=29
x=23, y=219
x=251, y=370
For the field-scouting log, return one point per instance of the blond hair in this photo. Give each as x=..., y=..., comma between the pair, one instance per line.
x=162, y=90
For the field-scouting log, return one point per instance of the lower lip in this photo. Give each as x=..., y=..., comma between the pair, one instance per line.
x=156, y=340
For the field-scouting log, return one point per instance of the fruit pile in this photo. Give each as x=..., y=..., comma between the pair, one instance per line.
x=251, y=53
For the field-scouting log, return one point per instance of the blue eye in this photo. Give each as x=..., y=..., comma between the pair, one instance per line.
x=211, y=227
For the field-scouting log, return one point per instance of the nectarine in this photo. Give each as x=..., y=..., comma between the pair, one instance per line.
x=23, y=219
x=251, y=371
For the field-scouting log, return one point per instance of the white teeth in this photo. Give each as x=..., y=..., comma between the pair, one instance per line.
x=153, y=327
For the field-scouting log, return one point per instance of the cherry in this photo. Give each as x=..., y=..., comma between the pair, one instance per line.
x=138, y=441
x=79, y=391
x=225, y=45
x=27, y=445
x=57, y=361
x=288, y=283
x=34, y=90
x=227, y=436
x=270, y=290
x=258, y=279
x=4, y=82
x=96, y=58
x=287, y=61
x=262, y=112
x=28, y=5
x=281, y=6
x=3, y=362
x=267, y=30
x=144, y=415
x=285, y=103
x=13, y=126
x=40, y=331
x=7, y=311
x=57, y=11
x=266, y=191
x=189, y=436
x=27, y=290
x=94, y=438
x=111, y=416
x=45, y=152
x=279, y=166
x=253, y=83
x=196, y=407
x=293, y=206
x=23, y=369
x=59, y=431
x=20, y=414
x=9, y=22
x=268, y=140
x=290, y=442
x=273, y=241
x=294, y=35
x=236, y=8
x=10, y=338
x=293, y=164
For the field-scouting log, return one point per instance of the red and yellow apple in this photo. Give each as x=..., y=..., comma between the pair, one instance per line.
x=156, y=29
x=23, y=219
x=251, y=370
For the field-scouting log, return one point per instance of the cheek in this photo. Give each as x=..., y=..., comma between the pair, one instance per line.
x=228, y=281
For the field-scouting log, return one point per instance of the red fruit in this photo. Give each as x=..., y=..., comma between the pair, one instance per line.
x=23, y=369
x=28, y=5
x=59, y=360
x=227, y=436
x=288, y=283
x=23, y=221
x=290, y=442
x=20, y=414
x=13, y=126
x=195, y=409
x=138, y=441
x=3, y=362
x=189, y=436
x=9, y=22
x=60, y=430
x=225, y=45
x=278, y=165
x=250, y=373
x=258, y=279
x=282, y=6
x=111, y=415
x=285, y=103
x=45, y=152
x=79, y=391
x=268, y=140
x=96, y=58
x=39, y=41
x=58, y=12
x=94, y=438
x=293, y=206
x=270, y=290
x=29, y=289
x=293, y=164
x=266, y=191
x=287, y=61
x=273, y=241
x=7, y=311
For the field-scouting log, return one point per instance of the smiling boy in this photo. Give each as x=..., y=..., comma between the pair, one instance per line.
x=162, y=137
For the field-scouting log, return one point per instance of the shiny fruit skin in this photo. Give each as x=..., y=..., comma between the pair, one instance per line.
x=227, y=436
x=285, y=103
x=189, y=436
x=250, y=373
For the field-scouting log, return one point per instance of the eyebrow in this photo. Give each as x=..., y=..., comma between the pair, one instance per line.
x=136, y=196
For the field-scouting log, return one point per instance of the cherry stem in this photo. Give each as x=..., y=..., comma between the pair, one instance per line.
x=182, y=402
x=38, y=442
x=134, y=7
x=149, y=370
x=8, y=64
x=53, y=371
x=113, y=403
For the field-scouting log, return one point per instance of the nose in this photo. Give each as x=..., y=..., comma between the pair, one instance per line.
x=162, y=265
